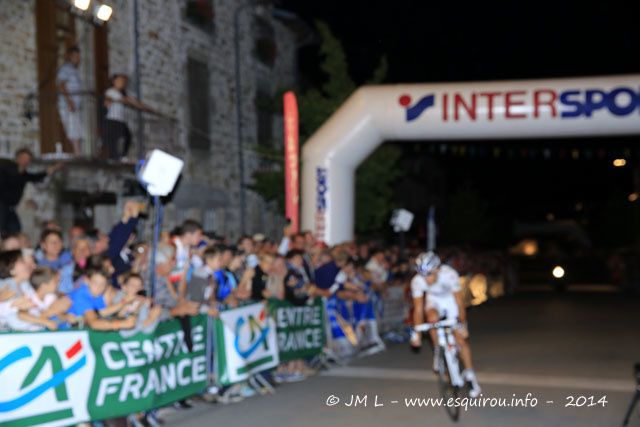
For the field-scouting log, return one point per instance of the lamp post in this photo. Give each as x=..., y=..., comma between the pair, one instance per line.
x=238, y=77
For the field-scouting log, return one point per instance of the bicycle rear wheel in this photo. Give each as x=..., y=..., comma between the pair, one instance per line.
x=447, y=390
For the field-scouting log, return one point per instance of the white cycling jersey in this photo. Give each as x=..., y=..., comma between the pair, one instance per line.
x=441, y=295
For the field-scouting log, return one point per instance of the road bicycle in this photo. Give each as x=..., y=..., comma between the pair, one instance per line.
x=450, y=380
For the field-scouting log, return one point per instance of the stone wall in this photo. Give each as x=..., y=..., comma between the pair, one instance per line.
x=210, y=188
x=18, y=75
x=166, y=42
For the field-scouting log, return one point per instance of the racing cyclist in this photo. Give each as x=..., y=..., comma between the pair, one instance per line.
x=436, y=292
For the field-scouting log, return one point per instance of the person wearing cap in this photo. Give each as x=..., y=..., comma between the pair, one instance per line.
x=437, y=295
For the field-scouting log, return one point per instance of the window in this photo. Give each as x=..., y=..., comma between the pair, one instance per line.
x=209, y=220
x=265, y=48
x=264, y=114
x=198, y=88
x=201, y=14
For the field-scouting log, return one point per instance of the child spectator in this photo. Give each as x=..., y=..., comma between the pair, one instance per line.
x=14, y=286
x=88, y=303
x=44, y=282
x=132, y=290
x=11, y=242
x=53, y=255
x=81, y=251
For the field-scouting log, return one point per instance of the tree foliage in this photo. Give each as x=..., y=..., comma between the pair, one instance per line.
x=375, y=181
x=467, y=218
x=376, y=175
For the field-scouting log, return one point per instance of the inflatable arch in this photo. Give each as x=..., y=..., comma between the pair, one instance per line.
x=510, y=109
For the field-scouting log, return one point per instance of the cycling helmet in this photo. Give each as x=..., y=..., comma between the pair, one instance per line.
x=426, y=262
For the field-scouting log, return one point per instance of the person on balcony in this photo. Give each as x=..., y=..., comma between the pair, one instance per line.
x=70, y=91
x=116, y=134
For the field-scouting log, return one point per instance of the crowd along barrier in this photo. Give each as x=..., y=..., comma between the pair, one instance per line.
x=67, y=377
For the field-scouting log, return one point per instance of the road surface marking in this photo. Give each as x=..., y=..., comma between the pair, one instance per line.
x=581, y=383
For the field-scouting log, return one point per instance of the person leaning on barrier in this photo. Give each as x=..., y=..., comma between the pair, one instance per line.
x=14, y=286
x=203, y=285
x=48, y=309
x=88, y=303
x=137, y=303
x=260, y=277
x=166, y=295
x=297, y=287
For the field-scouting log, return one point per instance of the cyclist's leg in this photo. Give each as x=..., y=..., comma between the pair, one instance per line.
x=433, y=315
x=453, y=313
x=465, y=349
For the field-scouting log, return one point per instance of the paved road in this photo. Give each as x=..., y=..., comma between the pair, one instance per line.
x=578, y=344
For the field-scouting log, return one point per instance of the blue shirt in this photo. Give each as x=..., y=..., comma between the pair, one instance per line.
x=82, y=301
x=326, y=275
x=64, y=265
x=226, y=283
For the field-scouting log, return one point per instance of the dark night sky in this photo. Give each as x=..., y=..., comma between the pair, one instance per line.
x=437, y=41
x=428, y=41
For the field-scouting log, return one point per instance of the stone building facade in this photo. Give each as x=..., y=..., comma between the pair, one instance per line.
x=185, y=61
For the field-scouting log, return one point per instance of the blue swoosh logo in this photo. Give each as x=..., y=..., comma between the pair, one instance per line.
x=56, y=380
x=414, y=111
x=236, y=342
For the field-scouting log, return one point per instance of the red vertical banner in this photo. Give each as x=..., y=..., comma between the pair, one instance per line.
x=291, y=161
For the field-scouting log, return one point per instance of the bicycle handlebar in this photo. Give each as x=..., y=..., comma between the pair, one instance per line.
x=424, y=327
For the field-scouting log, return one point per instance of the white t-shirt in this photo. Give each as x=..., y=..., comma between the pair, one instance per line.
x=447, y=283
x=116, y=108
x=70, y=75
x=17, y=324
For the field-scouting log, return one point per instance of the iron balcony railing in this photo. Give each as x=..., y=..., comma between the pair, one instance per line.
x=122, y=136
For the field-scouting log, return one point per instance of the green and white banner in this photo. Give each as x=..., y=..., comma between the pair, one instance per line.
x=300, y=329
x=63, y=378
x=245, y=343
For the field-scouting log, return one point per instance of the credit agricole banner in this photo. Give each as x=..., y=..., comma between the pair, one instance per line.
x=63, y=378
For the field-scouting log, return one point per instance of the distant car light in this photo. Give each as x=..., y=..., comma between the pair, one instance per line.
x=558, y=272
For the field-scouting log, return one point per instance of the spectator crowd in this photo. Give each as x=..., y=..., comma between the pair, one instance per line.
x=88, y=278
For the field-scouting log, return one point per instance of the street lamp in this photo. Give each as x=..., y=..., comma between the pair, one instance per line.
x=619, y=163
x=236, y=33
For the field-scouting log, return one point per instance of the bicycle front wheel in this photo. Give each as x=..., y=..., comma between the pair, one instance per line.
x=447, y=389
